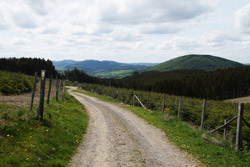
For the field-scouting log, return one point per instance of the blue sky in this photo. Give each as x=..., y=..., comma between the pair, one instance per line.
x=125, y=30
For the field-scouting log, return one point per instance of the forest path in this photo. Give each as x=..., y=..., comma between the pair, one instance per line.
x=117, y=137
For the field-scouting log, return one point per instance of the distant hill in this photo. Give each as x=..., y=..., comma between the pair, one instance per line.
x=105, y=68
x=193, y=62
x=62, y=64
x=145, y=64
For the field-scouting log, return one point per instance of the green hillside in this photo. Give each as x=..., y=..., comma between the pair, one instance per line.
x=203, y=62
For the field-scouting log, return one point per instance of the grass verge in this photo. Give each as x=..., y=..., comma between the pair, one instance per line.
x=188, y=138
x=25, y=141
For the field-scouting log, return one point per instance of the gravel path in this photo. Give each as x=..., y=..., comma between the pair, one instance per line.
x=117, y=137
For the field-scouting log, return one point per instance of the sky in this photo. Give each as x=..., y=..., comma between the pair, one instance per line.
x=125, y=30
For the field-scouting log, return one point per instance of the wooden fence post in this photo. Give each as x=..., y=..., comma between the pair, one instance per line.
x=163, y=103
x=148, y=100
x=42, y=88
x=179, y=109
x=118, y=94
x=139, y=102
x=57, y=85
x=63, y=85
x=203, y=114
x=225, y=130
x=50, y=82
x=239, y=127
x=134, y=99
x=33, y=91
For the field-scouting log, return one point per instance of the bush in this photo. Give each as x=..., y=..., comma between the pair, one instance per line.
x=13, y=83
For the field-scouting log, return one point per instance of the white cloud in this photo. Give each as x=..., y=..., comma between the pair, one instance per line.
x=123, y=30
x=150, y=11
x=242, y=19
x=24, y=20
x=39, y=6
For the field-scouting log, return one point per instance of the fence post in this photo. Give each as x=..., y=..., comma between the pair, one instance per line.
x=239, y=127
x=179, y=109
x=42, y=88
x=163, y=103
x=50, y=82
x=203, y=114
x=134, y=99
x=118, y=94
x=57, y=85
x=63, y=85
x=225, y=130
x=148, y=100
x=33, y=91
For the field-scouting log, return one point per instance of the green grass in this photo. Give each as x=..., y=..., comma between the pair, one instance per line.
x=25, y=141
x=188, y=138
x=114, y=74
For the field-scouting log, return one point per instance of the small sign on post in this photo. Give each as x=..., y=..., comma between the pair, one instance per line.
x=42, y=88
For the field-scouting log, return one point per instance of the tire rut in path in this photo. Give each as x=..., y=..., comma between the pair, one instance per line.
x=117, y=137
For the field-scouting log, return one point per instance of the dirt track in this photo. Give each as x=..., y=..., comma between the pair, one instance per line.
x=240, y=100
x=117, y=137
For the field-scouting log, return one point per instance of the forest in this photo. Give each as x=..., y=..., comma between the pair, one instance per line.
x=28, y=66
x=218, y=84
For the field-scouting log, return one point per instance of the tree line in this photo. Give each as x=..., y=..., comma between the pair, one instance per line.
x=218, y=84
x=28, y=66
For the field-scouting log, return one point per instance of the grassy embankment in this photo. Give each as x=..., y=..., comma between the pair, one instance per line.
x=188, y=138
x=25, y=141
